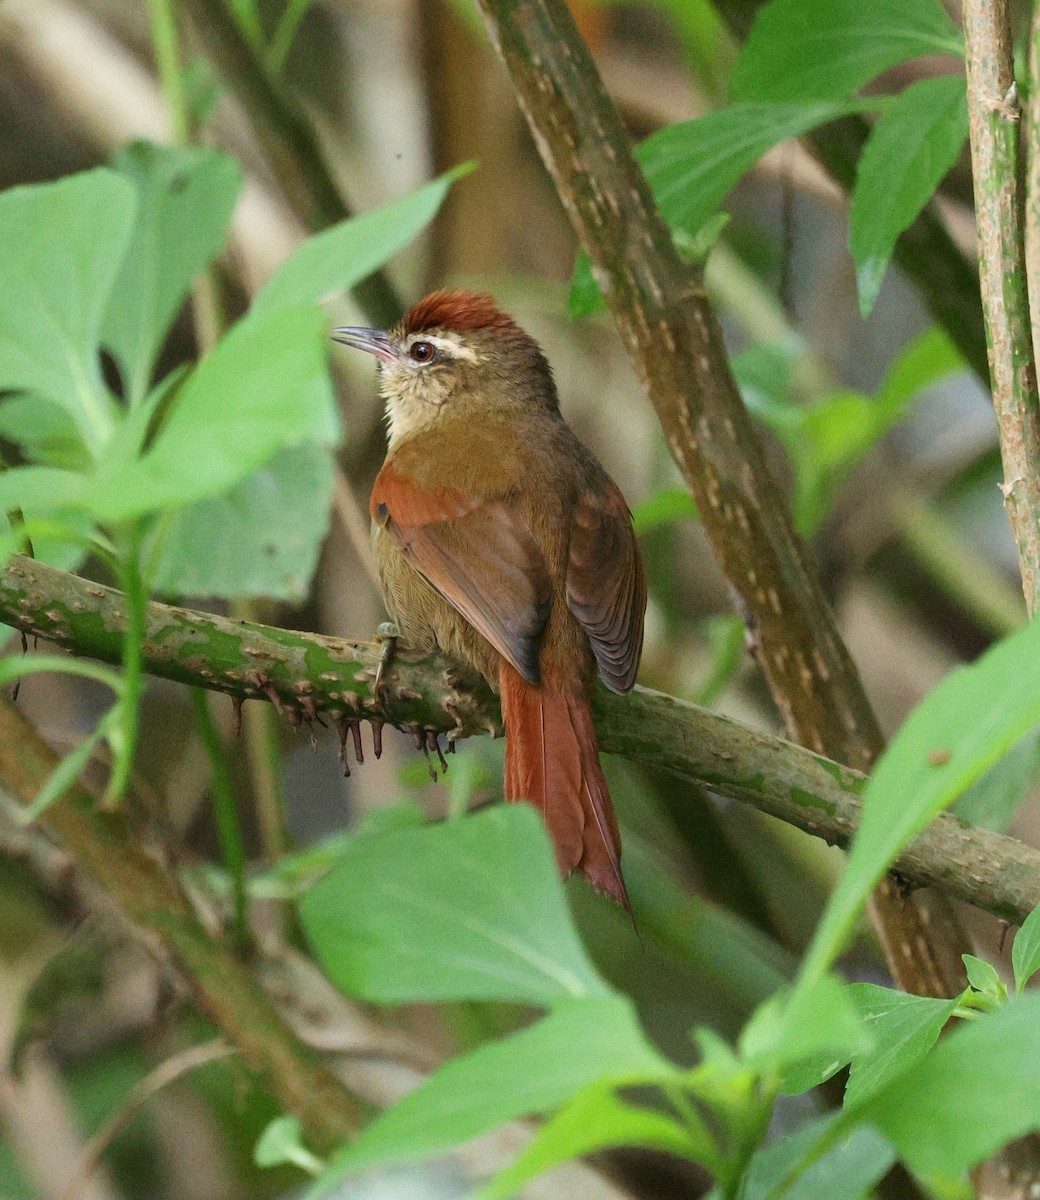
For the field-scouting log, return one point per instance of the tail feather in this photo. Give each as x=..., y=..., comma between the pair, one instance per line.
x=552, y=762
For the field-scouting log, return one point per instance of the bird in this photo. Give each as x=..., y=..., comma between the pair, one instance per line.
x=501, y=541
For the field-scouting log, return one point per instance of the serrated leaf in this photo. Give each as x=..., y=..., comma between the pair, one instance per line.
x=185, y=197
x=830, y=48
x=951, y=739
x=910, y=150
x=903, y=1029
x=534, y=1071
x=260, y=539
x=471, y=909
x=1025, y=950
x=693, y=165
x=63, y=243
x=341, y=257
x=263, y=387
x=596, y=1119
x=973, y=1093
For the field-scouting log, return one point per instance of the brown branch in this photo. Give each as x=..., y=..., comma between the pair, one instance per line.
x=674, y=339
x=993, y=116
x=120, y=857
x=308, y=674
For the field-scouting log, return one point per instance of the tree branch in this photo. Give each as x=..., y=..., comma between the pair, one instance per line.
x=310, y=674
x=126, y=863
x=675, y=341
x=993, y=116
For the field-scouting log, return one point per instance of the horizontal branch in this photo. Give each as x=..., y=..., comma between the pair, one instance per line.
x=308, y=674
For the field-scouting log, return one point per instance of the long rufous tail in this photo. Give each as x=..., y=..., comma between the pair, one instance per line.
x=552, y=761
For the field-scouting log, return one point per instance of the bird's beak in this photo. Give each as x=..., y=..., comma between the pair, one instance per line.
x=372, y=341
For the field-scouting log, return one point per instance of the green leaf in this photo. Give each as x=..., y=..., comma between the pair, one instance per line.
x=45, y=431
x=830, y=48
x=44, y=489
x=263, y=387
x=984, y=979
x=63, y=243
x=341, y=257
x=994, y=799
x=282, y=1142
x=534, y=1071
x=810, y=1165
x=1025, y=951
x=471, y=909
x=903, y=1029
x=951, y=739
x=596, y=1119
x=911, y=149
x=803, y=1024
x=185, y=197
x=973, y=1093
x=923, y=362
x=692, y=166
x=261, y=539
x=666, y=507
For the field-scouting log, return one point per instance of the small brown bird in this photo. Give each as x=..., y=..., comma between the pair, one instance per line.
x=501, y=540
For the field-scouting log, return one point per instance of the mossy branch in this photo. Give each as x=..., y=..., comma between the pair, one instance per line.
x=309, y=675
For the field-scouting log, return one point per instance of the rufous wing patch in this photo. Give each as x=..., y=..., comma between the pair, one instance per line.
x=480, y=556
x=606, y=587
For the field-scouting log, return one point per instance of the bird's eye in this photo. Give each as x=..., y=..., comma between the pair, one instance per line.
x=422, y=352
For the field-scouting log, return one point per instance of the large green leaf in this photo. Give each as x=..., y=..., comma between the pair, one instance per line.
x=973, y=1093
x=534, y=1071
x=903, y=1029
x=956, y=734
x=905, y=159
x=828, y=49
x=185, y=197
x=596, y=1119
x=260, y=539
x=63, y=243
x=340, y=257
x=471, y=909
x=263, y=387
x=692, y=166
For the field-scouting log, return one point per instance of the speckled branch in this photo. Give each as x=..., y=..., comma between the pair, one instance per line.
x=119, y=856
x=675, y=341
x=310, y=675
x=993, y=114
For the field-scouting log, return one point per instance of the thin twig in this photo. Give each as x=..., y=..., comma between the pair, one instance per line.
x=335, y=676
x=174, y=1068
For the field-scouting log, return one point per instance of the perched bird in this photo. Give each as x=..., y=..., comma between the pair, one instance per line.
x=501, y=540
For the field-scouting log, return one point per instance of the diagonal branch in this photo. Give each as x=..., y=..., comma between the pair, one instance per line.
x=308, y=674
x=675, y=341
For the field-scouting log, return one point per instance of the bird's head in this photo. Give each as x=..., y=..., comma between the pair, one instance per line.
x=454, y=352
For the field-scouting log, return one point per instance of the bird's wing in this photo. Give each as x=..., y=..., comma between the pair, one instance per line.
x=606, y=589
x=479, y=555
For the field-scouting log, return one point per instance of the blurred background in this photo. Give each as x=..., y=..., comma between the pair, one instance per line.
x=904, y=514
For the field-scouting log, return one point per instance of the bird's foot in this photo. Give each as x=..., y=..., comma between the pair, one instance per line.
x=387, y=633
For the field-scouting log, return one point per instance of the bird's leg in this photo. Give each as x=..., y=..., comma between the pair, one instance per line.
x=387, y=634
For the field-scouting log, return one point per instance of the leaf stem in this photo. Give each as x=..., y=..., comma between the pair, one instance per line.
x=225, y=809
